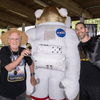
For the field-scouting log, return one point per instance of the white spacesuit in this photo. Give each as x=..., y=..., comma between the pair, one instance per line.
x=55, y=55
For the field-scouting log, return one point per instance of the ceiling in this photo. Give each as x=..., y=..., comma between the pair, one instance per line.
x=13, y=13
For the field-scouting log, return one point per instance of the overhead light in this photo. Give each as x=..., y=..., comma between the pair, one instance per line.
x=41, y=3
x=17, y=13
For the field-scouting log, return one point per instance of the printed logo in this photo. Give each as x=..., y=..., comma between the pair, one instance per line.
x=19, y=72
x=60, y=32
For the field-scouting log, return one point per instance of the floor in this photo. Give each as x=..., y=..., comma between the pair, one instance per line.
x=28, y=97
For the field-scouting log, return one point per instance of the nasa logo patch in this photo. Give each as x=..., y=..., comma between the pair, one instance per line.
x=60, y=32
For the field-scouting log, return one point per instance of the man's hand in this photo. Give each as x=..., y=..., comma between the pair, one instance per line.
x=33, y=81
x=25, y=52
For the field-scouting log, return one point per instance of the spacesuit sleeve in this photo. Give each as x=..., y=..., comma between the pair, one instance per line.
x=31, y=37
x=71, y=83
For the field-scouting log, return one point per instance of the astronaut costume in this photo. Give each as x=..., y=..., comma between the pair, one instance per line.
x=55, y=55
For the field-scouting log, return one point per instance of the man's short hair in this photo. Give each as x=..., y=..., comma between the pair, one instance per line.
x=81, y=23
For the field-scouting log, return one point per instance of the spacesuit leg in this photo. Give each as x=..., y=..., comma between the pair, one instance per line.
x=34, y=98
x=55, y=92
x=41, y=92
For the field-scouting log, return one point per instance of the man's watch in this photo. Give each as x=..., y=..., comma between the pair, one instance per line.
x=32, y=74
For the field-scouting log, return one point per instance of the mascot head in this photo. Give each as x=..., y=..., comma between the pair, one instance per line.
x=51, y=14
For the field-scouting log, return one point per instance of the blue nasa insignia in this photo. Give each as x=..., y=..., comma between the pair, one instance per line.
x=60, y=32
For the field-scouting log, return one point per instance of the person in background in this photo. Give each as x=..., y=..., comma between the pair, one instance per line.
x=13, y=61
x=2, y=32
x=89, y=48
x=1, y=45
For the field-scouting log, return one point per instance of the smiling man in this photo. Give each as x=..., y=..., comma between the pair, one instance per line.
x=89, y=49
x=13, y=61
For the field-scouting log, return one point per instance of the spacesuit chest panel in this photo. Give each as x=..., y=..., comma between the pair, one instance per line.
x=51, y=33
x=50, y=48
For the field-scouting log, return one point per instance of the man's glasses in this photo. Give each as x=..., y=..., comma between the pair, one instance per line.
x=14, y=39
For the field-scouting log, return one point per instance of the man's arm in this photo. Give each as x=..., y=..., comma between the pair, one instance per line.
x=32, y=78
x=14, y=64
